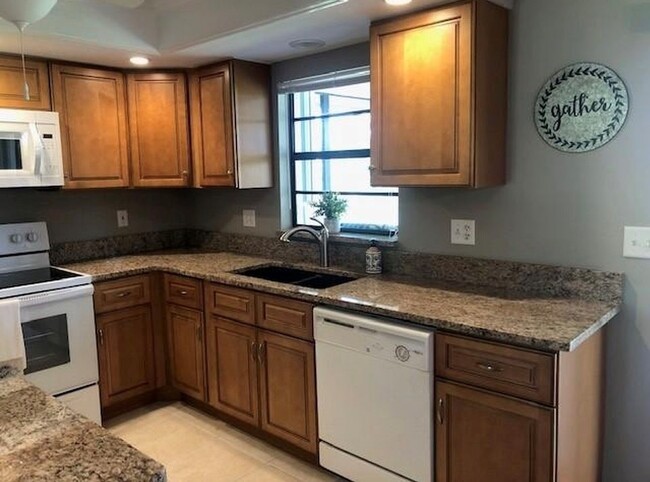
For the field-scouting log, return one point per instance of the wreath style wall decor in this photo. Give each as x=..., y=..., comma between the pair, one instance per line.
x=581, y=108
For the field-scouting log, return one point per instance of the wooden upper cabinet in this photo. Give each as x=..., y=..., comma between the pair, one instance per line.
x=12, y=94
x=231, y=125
x=92, y=109
x=482, y=437
x=439, y=97
x=158, y=123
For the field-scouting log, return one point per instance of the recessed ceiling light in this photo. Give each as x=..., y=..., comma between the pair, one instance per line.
x=307, y=44
x=138, y=60
x=397, y=2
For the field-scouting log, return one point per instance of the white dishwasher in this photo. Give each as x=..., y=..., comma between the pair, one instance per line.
x=375, y=397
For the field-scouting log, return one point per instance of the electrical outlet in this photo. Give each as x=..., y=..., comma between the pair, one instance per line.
x=122, y=218
x=636, y=242
x=463, y=231
x=248, y=218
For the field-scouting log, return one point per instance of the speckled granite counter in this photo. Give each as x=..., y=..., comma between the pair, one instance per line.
x=552, y=324
x=42, y=440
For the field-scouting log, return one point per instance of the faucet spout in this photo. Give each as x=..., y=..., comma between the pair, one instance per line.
x=321, y=236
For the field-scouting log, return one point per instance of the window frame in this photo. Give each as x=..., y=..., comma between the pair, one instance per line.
x=326, y=155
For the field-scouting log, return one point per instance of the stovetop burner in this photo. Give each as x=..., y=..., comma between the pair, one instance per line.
x=33, y=276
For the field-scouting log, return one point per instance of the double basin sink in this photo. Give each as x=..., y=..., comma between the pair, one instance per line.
x=296, y=276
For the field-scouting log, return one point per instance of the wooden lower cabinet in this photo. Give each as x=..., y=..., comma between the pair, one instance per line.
x=126, y=354
x=186, y=350
x=288, y=389
x=232, y=369
x=485, y=437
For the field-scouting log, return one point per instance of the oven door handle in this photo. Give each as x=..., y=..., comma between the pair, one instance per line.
x=56, y=295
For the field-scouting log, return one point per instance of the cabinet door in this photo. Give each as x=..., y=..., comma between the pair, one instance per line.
x=232, y=369
x=421, y=99
x=159, y=129
x=186, y=351
x=12, y=93
x=483, y=437
x=126, y=356
x=212, y=126
x=92, y=109
x=288, y=389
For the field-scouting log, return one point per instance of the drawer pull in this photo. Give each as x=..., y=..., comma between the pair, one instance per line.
x=182, y=292
x=123, y=294
x=489, y=367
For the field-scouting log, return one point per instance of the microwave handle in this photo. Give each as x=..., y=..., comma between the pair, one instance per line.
x=39, y=147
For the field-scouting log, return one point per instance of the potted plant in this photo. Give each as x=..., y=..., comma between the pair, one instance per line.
x=331, y=206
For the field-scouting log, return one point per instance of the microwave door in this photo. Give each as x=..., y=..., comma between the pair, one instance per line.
x=18, y=155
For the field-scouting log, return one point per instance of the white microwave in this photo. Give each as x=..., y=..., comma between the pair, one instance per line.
x=30, y=149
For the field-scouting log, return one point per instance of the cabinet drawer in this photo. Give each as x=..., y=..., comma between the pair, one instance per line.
x=122, y=293
x=286, y=316
x=183, y=291
x=232, y=303
x=505, y=369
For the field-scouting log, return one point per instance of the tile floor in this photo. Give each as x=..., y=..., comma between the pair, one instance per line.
x=196, y=447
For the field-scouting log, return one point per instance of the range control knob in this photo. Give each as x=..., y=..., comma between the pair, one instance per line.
x=402, y=353
x=16, y=238
x=32, y=237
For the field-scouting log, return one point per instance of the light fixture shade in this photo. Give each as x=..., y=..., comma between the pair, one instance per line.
x=22, y=12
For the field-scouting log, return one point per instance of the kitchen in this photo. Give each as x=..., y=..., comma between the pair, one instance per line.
x=554, y=209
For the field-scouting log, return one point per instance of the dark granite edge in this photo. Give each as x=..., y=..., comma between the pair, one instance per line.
x=321, y=297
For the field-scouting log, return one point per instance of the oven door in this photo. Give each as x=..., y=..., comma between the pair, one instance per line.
x=59, y=333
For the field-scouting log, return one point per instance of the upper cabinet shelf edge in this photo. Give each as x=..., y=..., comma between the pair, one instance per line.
x=439, y=97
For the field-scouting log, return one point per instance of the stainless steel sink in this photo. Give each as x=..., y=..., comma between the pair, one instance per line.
x=296, y=276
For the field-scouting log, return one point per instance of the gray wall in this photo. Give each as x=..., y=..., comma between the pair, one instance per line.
x=556, y=208
x=82, y=215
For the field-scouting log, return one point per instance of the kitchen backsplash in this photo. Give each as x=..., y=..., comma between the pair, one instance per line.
x=506, y=276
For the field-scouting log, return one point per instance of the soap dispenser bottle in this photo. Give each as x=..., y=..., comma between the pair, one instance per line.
x=373, y=258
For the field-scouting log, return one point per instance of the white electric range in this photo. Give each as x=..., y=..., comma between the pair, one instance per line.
x=57, y=317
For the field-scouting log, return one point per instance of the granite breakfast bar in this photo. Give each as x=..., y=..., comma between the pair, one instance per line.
x=43, y=440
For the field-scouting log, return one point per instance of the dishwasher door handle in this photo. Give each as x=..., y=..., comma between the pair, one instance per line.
x=338, y=323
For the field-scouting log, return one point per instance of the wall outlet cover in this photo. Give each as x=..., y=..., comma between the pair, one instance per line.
x=248, y=218
x=122, y=218
x=636, y=242
x=463, y=231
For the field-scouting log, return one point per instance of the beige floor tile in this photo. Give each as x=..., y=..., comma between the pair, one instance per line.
x=196, y=447
x=268, y=473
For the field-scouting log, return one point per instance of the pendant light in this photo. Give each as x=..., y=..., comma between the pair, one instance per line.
x=23, y=13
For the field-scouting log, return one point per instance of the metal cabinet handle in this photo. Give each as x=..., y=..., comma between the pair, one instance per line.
x=489, y=367
x=372, y=167
x=440, y=411
x=100, y=333
x=229, y=172
x=184, y=173
x=254, y=351
x=123, y=294
x=260, y=353
x=182, y=293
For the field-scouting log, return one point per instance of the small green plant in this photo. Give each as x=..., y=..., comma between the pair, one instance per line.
x=331, y=205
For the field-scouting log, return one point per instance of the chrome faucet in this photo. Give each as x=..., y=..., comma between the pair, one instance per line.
x=321, y=236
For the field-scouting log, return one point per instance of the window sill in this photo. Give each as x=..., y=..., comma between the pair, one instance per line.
x=355, y=239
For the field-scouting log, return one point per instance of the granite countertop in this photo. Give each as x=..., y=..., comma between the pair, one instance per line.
x=43, y=440
x=550, y=324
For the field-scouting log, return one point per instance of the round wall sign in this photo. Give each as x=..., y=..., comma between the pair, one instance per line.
x=581, y=108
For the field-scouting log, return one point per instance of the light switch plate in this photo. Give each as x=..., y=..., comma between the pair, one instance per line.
x=122, y=218
x=463, y=231
x=636, y=242
x=248, y=218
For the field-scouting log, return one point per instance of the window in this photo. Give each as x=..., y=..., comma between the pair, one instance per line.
x=330, y=151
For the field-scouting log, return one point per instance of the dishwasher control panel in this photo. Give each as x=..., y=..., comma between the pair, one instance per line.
x=381, y=338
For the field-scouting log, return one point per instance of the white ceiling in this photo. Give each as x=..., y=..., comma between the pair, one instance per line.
x=187, y=33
